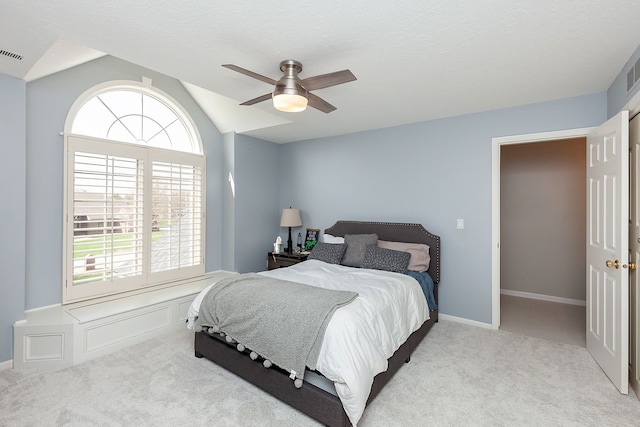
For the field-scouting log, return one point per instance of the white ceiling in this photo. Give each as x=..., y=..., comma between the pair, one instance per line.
x=415, y=60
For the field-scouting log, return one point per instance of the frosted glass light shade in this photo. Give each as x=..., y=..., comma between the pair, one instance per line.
x=290, y=103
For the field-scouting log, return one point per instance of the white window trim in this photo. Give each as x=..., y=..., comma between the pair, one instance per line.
x=145, y=87
x=149, y=279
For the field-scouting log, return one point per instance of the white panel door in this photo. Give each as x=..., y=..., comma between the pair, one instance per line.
x=608, y=248
x=634, y=250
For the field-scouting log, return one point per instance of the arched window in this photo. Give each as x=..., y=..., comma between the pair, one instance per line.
x=134, y=192
x=135, y=117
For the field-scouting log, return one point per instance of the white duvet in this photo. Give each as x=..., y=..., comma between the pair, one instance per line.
x=362, y=335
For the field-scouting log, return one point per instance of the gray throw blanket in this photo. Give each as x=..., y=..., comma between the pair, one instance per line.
x=281, y=321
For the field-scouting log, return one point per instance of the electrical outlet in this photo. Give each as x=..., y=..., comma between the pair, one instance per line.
x=460, y=224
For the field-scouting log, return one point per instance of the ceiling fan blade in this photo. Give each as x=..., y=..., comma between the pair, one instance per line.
x=320, y=104
x=250, y=73
x=258, y=99
x=326, y=80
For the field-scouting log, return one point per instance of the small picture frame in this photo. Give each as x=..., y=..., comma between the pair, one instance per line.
x=311, y=239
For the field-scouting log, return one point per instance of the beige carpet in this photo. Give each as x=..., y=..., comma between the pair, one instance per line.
x=459, y=376
x=553, y=321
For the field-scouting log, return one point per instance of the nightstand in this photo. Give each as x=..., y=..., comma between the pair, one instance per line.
x=284, y=259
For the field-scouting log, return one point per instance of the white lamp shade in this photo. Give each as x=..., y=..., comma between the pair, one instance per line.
x=290, y=218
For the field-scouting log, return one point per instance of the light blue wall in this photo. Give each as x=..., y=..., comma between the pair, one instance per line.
x=256, y=202
x=12, y=208
x=228, y=204
x=249, y=213
x=617, y=95
x=213, y=150
x=48, y=102
x=430, y=173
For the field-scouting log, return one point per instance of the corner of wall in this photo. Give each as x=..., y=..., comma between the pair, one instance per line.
x=13, y=176
x=228, y=202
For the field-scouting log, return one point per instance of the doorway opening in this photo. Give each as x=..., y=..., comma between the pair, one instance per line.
x=543, y=239
x=497, y=145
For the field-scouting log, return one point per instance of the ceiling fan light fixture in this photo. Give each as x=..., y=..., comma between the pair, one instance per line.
x=290, y=103
x=289, y=95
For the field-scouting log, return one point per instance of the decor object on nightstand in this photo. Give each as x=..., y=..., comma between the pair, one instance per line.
x=290, y=218
x=277, y=245
x=311, y=239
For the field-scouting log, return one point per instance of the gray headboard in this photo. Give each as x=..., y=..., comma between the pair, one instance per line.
x=395, y=232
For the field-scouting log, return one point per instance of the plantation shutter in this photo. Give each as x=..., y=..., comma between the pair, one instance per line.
x=177, y=209
x=107, y=217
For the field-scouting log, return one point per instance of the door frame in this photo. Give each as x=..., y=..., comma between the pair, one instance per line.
x=633, y=105
x=496, y=145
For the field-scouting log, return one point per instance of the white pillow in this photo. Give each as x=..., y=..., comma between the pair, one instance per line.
x=328, y=238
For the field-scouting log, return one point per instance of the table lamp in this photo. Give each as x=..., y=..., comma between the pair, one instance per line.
x=290, y=218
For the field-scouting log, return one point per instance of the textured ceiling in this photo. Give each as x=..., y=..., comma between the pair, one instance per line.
x=415, y=60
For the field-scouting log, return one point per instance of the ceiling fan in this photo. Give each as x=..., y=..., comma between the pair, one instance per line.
x=292, y=94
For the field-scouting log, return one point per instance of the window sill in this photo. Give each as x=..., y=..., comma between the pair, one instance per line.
x=87, y=311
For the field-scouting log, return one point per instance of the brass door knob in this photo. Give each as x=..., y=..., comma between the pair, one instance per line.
x=615, y=264
x=632, y=266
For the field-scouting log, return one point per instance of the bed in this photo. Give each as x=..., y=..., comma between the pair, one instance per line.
x=317, y=398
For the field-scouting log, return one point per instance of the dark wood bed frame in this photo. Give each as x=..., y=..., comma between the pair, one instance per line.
x=312, y=400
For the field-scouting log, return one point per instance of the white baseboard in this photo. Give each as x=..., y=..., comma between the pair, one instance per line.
x=464, y=321
x=6, y=365
x=550, y=298
x=43, y=308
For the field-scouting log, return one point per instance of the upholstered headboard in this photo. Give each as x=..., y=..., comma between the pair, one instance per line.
x=395, y=232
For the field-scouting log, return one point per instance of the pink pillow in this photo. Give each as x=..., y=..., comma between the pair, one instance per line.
x=420, y=257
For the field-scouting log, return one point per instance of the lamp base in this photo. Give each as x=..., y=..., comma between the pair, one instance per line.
x=289, y=248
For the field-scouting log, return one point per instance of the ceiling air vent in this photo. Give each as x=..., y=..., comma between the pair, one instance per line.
x=11, y=54
x=633, y=75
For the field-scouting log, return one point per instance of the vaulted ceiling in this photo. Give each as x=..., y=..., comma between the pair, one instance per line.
x=414, y=60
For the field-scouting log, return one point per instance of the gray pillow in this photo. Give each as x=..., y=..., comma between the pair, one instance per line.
x=328, y=252
x=356, y=246
x=386, y=259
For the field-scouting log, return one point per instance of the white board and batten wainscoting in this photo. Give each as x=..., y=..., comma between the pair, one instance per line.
x=64, y=335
